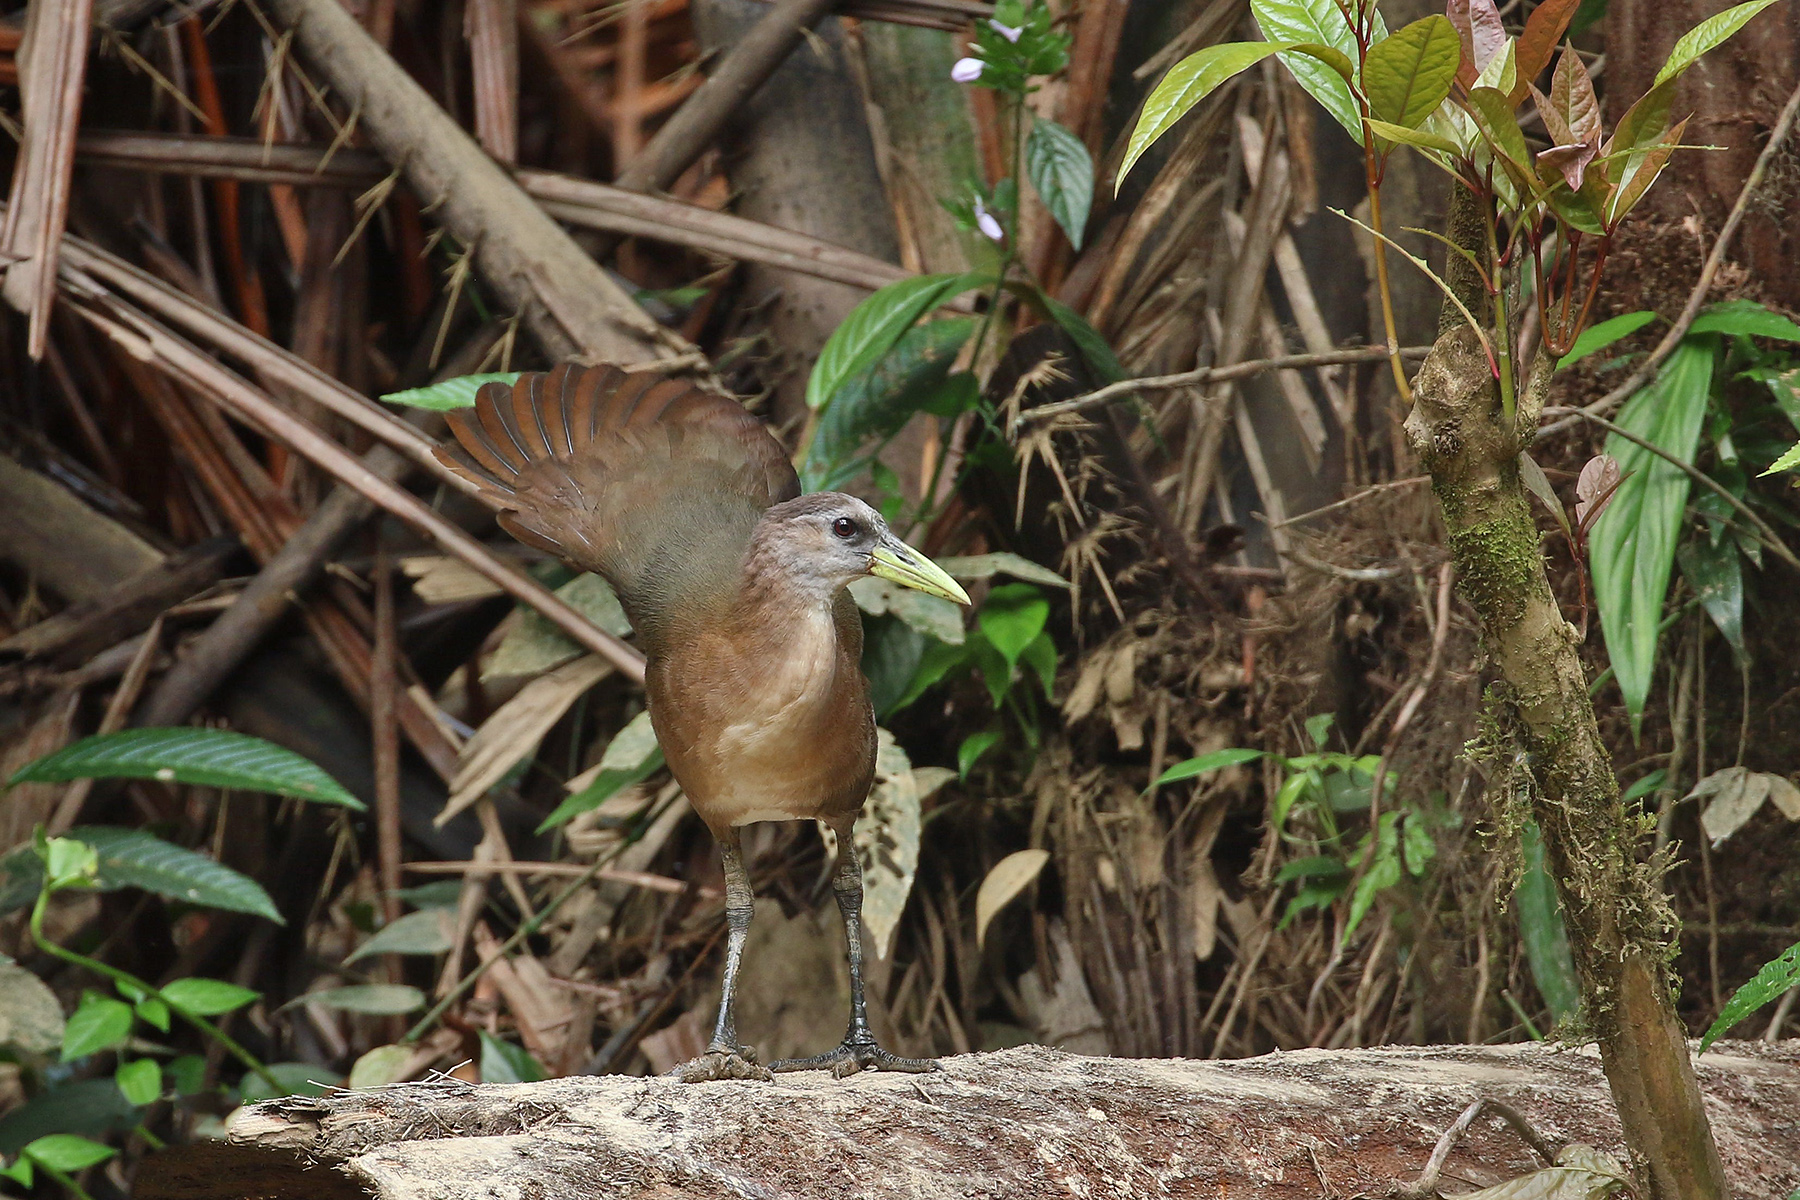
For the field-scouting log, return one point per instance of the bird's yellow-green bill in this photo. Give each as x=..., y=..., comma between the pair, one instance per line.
x=905, y=566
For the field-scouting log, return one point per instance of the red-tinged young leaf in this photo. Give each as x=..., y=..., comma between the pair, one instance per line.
x=1570, y=161
x=1538, y=484
x=1643, y=175
x=1483, y=37
x=1572, y=96
x=1595, y=486
x=1407, y=75
x=1538, y=42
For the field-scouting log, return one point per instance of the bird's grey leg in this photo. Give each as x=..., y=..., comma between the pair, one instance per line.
x=724, y=1057
x=859, y=1048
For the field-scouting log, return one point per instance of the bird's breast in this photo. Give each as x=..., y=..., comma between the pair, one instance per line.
x=765, y=724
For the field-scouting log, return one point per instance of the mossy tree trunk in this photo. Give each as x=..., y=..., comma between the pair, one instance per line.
x=1620, y=925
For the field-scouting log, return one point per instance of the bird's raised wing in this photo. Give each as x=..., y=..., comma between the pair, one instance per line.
x=649, y=481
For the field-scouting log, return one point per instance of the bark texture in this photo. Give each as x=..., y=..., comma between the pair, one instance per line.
x=1029, y=1122
x=1620, y=925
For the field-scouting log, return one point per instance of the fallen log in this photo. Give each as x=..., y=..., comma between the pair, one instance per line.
x=1026, y=1122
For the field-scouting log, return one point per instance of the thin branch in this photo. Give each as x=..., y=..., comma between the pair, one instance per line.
x=1112, y=393
x=1763, y=529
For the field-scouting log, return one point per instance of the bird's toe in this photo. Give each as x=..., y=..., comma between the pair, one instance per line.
x=715, y=1065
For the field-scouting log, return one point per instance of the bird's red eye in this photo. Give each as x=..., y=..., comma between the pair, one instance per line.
x=844, y=527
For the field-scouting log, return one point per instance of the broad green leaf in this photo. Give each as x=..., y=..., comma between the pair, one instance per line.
x=1384, y=873
x=873, y=327
x=1745, y=318
x=89, y=1106
x=1059, y=167
x=1538, y=484
x=381, y=1066
x=69, y=862
x=1543, y=29
x=933, y=616
x=1407, y=74
x=1493, y=114
x=98, y=1023
x=296, y=1079
x=67, y=1153
x=533, y=645
x=1632, y=545
x=426, y=932
x=140, y=1080
x=891, y=653
x=875, y=402
x=187, y=1074
x=152, y=1011
x=1012, y=617
x=1188, y=82
x=937, y=661
x=1643, y=171
x=1599, y=337
x=211, y=757
x=1776, y=977
x=133, y=858
x=380, y=999
x=1314, y=867
x=1094, y=348
x=207, y=997
x=1787, y=462
x=972, y=748
x=31, y=1018
x=1000, y=562
x=1215, y=761
x=1542, y=932
x=1642, y=127
x=503, y=1062
x=20, y=1172
x=1716, y=573
x=1319, y=23
x=1040, y=656
x=451, y=393
x=1415, y=137
x=1708, y=35
x=631, y=757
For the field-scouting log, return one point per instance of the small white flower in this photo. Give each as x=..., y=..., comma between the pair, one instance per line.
x=987, y=223
x=967, y=70
x=1009, y=32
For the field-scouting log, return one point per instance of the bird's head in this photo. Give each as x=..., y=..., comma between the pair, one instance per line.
x=830, y=539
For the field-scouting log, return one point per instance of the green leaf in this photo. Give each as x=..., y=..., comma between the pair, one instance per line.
x=1716, y=573
x=20, y=1172
x=425, y=932
x=972, y=748
x=1414, y=137
x=1217, y=760
x=1408, y=74
x=1644, y=786
x=296, y=1079
x=98, y=1023
x=1494, y=117
x=1541, y=930
x=31, y=1018
x=451, y=393
x=152, y=1011
x=1001, y=562
x=187, y=1074
x=1599, y=337
x=133, y=858
x=1538, y=484
x=1643, y=171
x=381, y=1066
x=1776, y=977
x=1058, y=165
x=1384, y=874
x=503, y=1062
x=1708, y=35
x=876, y=401
x=1744, y=318
x=1012, y=617
x=533, y=645
x=1040, y=656
x=67, y=1153
x=938, y=660
x=207, y=997
x=1188, y=82
x=1632, y=545
x=873, y=327
x=1320, y=23
x=1642, y=127
x=90, y=1106
x=631, y=757
x=379, y=999
x=1787, y=462
x=140, y=1080
x=1315, y=867
x=69, y=862
x=210, y=757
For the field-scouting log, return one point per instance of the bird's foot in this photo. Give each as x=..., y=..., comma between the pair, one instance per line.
x=723, y=1062
x=857, y=1054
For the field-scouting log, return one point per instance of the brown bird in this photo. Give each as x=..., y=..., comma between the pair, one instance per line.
x=735, y=585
